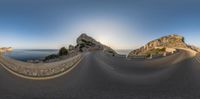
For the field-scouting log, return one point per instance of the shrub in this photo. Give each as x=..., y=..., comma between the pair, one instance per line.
x=81, y=46
x=63, y=51
x=148, y=55
x=53, y=56
x=162, y=50
x=89, y=43
x=111, y=52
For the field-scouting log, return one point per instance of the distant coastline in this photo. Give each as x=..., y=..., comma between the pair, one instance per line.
x=39, y=54
x=38, y=49
x=6, y=49
x=123, y=51
x=41, y=49
x=30, y=54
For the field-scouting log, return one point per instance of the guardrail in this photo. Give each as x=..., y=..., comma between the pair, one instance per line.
x=40, y=69
x=198, y=57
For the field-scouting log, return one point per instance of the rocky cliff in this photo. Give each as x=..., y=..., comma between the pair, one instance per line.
x=6, y=49
x=87, y=43
x=170, y=41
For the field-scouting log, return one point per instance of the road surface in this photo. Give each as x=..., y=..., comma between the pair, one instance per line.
x=99, y=76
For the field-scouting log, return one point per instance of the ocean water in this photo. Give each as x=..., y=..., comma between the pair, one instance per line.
x=40, y=54
x=30, y=54
x=124, y=51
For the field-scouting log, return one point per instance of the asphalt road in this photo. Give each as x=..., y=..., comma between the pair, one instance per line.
x=99, y=76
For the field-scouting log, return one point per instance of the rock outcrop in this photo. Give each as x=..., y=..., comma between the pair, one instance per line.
x=71, y=47
x=168, y=43
x=6, y=49
x=87, y=43
x=194, y=48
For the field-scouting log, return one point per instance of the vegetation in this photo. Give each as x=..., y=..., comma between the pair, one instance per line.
x=63, y=51
x=148, y=55
x=84, y=43
x=81, y=46
x=53, y=56
x=87, y=42
x=111, y=52
x=155, y=52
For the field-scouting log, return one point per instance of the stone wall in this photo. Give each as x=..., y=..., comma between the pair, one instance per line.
x=41, y=69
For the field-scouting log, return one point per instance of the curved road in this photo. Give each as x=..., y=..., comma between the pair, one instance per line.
x=99, y=76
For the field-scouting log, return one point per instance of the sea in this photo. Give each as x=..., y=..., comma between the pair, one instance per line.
x=30, y=54
x=40, y=54
x=123, y=51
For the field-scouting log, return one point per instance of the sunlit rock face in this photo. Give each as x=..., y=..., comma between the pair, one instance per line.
x=166, y=42
x=6, y=49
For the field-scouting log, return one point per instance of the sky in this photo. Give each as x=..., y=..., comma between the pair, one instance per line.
x=120, y=24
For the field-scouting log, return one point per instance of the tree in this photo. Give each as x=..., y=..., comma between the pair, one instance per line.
x=63, y=51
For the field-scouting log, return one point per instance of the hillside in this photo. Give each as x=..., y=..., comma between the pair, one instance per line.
x=84, y=43
x=6, y=49
x=87, y=43
x=163, y=45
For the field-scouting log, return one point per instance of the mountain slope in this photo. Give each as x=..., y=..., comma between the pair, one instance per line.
x=87, y=43
x=167, y=42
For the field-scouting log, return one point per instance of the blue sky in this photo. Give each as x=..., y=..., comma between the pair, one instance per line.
x=121, y=24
